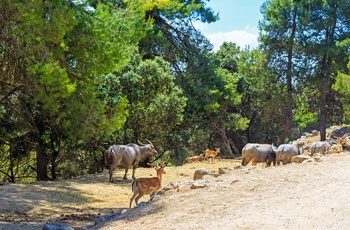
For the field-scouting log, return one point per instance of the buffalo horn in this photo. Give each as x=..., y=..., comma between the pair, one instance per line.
x=139, y=142
x=149, y=142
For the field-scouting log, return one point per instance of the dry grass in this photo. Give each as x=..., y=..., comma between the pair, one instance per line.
x=80, y=201
x=185, y=172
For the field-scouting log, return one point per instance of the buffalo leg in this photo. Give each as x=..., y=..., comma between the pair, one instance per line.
x=126, y=173
x=133, y=172
x=254, y=163
x=243, y=162
x=111, y=169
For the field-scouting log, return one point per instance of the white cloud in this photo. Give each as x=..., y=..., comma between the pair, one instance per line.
x=242, y=38
x=246, y=37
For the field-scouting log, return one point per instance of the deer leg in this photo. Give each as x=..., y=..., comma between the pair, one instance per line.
x=132, y=198
x=137, y=198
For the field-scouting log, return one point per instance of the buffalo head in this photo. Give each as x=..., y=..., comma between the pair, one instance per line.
x=151, y=150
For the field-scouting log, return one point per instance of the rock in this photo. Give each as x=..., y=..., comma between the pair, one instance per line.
x=123, y=211
x=57, y=226
x=161, y=191
x=106, y=218
x=308, y=160
x=170, y=186
x=300, y=158
x=155, y=197
x=239, y=166
x=221, y=170
x=344, y=130
x=314, y=133
x=100, y=219
x=307, y=147
x=143, y=203
x=243, y=168
x=307, y=135
x=199, y=173
x=317, y=157
x=198, y=184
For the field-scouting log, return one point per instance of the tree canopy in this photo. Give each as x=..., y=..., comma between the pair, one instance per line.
x=78, y=76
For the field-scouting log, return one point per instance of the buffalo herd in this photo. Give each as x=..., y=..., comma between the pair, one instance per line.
x=125, y=156
x=266, y=153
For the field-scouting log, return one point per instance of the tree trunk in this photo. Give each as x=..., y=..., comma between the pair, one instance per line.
x=41, y=163
x=226, y=141
x=53, y=169
x=323, y=112
x=228, y=146
x=285, y=132
x=12, y=174
x=326, y=71
x=289, y=116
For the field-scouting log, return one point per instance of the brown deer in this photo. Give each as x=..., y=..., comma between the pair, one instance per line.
x=211, y=153
x=194, y=158
x=142, y=186
x=337, y=148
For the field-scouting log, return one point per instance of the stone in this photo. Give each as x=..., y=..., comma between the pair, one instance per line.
x=221, y=170
x=57, y=226
x=300, y=158
x=199, y=173
x=198, y=184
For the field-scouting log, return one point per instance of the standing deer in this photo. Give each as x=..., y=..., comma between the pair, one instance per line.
x=211, y=153
x=142, y=186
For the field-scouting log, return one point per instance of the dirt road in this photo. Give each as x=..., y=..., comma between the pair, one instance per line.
x=313, y=195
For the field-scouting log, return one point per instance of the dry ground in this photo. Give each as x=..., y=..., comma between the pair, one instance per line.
x=80, y=201
x=313, y=195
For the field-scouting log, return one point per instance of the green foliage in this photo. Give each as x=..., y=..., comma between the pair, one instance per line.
x=64, y=49
x=303, y=116
x=79, y=76
x=16, y=165
x=114, y=32
x=156, y=104
x=300, y=40
x=342, y=84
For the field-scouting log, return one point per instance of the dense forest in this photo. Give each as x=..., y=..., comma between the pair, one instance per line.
x=78, y=76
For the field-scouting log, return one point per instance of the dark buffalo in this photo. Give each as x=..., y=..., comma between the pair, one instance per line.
x=124, y=156
x=285, y=152
x=258, y=153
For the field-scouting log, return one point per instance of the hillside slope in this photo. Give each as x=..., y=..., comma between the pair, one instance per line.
x=313, y=195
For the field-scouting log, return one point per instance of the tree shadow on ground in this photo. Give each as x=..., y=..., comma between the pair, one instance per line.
x=133, y=214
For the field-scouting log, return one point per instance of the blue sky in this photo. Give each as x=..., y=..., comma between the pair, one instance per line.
x=238, y=22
